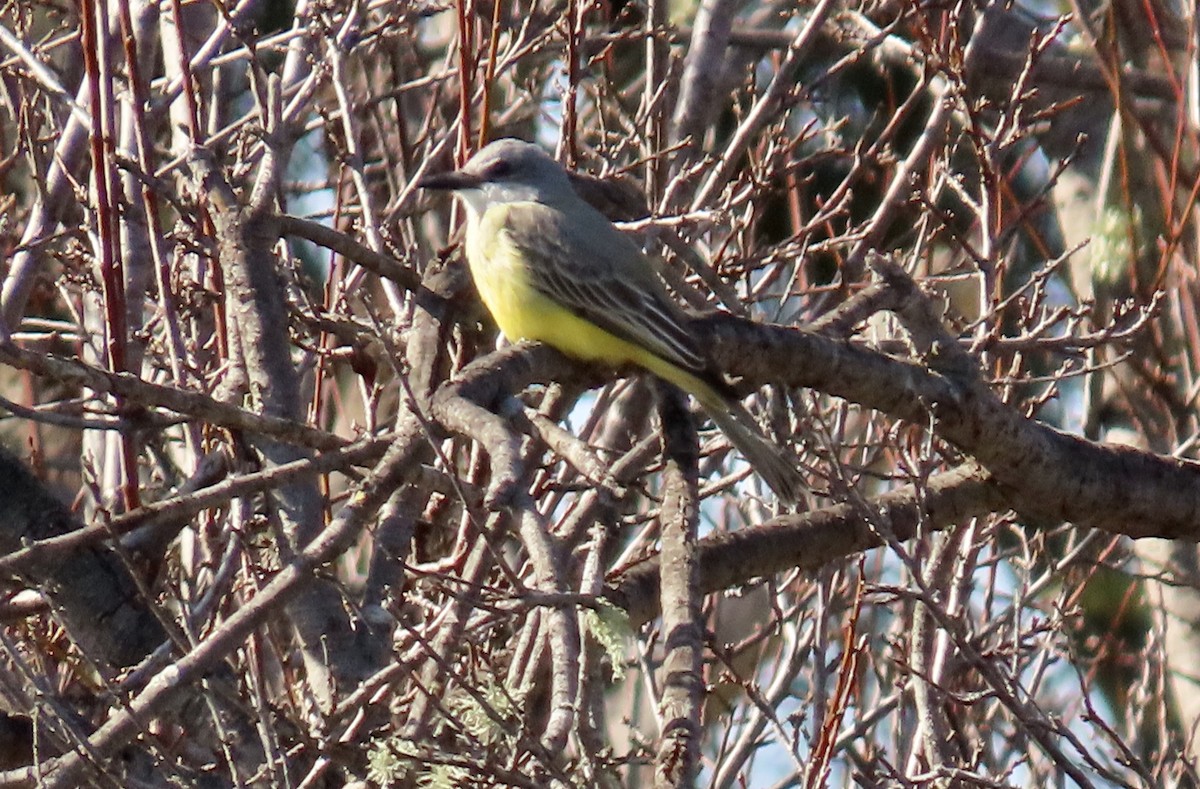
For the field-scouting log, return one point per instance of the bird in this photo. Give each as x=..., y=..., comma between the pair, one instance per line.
x=551, y=268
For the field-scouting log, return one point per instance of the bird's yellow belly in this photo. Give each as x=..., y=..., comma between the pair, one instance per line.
x=523, y=313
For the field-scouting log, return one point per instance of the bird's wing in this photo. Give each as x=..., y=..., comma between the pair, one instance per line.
x=587, y=265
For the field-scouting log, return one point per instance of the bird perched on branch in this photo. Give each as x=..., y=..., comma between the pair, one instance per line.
x=550, y=267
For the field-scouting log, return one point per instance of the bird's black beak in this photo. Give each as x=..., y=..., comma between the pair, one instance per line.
x=451, y=181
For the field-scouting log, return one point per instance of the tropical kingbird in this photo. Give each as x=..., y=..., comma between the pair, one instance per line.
x=550, y=267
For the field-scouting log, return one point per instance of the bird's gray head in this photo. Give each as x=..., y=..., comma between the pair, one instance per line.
x=506, y=171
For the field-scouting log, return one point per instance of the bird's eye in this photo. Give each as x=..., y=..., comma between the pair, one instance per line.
x=497, y=170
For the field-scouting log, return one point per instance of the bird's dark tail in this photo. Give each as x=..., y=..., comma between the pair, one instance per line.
x=768, y=459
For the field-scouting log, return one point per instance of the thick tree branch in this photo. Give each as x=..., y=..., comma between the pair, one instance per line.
x=90, y=588
x=257, y=316
x=810, y=540
x=677, y=761
x=1044, y=473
